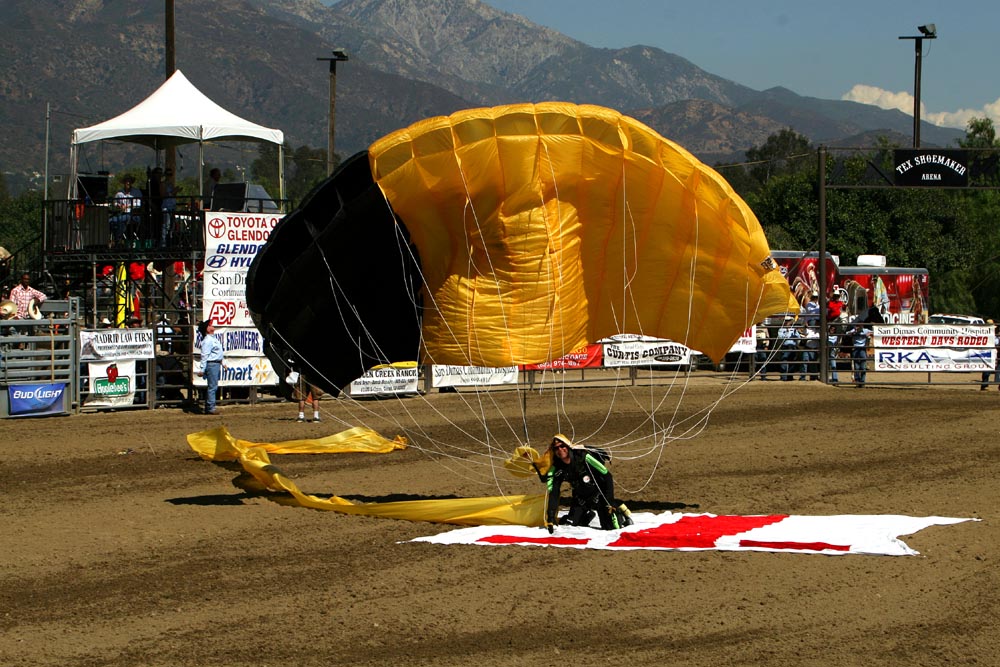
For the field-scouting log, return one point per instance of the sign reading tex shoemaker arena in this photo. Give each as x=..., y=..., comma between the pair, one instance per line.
x=932, y=167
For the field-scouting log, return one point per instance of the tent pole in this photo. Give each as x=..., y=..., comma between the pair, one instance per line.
x=281, y=176
x=201, y=172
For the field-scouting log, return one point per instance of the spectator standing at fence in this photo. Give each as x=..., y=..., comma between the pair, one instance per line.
x=763, y=349
x=811, y=305
x=859, y=335
x=211, y=364
x=23, y=294
x=788, y=343
x=833, y=351
x=996, y=367
x=810, y=351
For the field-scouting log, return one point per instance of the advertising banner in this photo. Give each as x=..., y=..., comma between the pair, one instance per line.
x=236, y=342
x=386, y=380
x=933, y=347
x=110, y=384
x=471, y=376
x=588, y=357
x=747, y=343
x=636, y=350
x=36, y=399
x=243, y=372
x=115, y=344
x=232, y=240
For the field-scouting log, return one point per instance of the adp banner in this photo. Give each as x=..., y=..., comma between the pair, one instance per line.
x=397, y=379
x=934, y=347
x=36, y=399
x=471, y=376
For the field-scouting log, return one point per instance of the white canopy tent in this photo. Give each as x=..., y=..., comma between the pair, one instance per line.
x=177, y=113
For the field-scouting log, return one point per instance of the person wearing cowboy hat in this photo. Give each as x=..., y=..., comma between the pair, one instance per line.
x=22, y=295
x=592, y=485
x=211, y=364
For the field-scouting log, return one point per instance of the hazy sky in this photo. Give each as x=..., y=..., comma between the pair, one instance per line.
x=845, y=49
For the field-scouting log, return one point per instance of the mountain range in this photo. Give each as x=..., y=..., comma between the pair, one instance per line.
x=90, y=60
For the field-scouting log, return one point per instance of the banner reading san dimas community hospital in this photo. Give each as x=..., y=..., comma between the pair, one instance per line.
x=471, y=376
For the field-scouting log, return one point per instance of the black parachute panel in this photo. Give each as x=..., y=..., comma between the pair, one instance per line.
x=335, y=289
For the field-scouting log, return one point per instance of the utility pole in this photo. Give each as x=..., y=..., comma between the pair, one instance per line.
x=170, y=156
x=928, y=31
x=339, y=56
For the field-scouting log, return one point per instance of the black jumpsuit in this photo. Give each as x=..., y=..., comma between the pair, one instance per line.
x=593, y=490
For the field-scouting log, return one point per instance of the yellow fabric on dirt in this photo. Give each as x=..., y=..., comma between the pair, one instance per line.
x=218, y=445
x=544, y=227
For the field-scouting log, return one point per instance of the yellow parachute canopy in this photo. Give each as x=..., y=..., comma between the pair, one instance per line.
x=543, y=227
x=218, y=445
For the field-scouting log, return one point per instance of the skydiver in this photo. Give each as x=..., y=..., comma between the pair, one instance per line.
x=592, y=484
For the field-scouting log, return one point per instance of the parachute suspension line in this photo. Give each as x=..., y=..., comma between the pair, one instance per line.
x=555, y=239
x=470, y=209
x=335, y=289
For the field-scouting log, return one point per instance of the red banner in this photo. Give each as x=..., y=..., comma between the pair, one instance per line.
x=588, y=357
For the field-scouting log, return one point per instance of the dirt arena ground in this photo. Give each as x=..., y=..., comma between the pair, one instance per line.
x=121, y=547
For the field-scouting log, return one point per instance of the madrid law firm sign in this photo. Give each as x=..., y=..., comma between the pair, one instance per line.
x=932, y=167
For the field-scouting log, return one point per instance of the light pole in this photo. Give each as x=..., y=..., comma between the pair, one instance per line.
x=339, y=55
x=928, y=31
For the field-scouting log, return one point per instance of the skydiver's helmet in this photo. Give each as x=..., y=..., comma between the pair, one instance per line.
x=559, y=438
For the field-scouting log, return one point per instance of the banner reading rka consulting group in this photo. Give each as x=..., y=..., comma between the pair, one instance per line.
x=232, y=240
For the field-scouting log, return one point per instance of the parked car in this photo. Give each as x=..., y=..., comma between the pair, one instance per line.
x=942, y=318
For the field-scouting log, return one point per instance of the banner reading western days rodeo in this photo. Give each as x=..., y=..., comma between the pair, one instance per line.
x=933, y=347
x=232, y=240
x=114, y=344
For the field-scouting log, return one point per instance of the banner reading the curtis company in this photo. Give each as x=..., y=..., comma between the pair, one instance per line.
x=933, y=347
x=636, y=350
x=37, y=399
x=471, y=376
